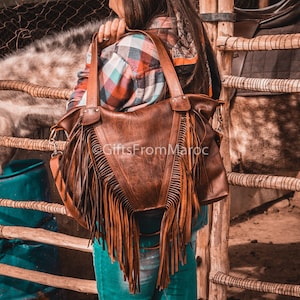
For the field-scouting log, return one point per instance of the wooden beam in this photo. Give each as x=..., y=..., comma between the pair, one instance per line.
x=257, y=285
x=259, y=43
x=45, y=236
x=68, y=283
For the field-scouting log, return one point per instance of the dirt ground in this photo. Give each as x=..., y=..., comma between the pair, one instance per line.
x=265, y=245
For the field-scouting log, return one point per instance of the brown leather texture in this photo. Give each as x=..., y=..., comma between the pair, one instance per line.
x=117, y=165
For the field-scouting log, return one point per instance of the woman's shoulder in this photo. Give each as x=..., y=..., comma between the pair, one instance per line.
x=134, y=39
x=136, y=46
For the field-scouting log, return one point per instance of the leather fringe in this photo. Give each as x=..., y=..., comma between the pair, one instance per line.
x=99, y=199
x=182, y=204
x=107, y=212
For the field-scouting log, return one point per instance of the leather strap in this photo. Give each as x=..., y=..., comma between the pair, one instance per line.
x=178, y=102
x=166, y=65
x=61, y=188
x=93, y=83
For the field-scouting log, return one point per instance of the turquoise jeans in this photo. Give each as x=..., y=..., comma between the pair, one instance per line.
x=183, y=285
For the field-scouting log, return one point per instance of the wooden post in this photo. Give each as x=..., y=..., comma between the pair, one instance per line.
x=207, y=7
x=69, y=283
x=221, y=210
x=203, y=236
x=203, y=259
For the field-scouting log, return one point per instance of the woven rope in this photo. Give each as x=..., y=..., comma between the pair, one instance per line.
x=53, y=208
x=31, y=144
x=262, y=84
x=254, y=84
x=245, y=180
x=256, y=285
x=264, y=181
x=35, y=90
x=263, y=42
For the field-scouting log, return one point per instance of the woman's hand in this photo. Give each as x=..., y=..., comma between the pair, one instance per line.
x=111, y=31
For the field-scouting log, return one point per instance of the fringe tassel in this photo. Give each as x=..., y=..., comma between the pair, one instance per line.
x=182, y=203
x=97, y=196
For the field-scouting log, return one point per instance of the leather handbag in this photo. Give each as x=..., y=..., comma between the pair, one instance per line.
x=117, y=165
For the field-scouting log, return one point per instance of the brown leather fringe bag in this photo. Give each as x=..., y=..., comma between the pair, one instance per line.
x=117, y=164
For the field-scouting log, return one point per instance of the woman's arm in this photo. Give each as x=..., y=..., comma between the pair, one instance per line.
x=81, y=86
x=109, y=33
x=130, y=75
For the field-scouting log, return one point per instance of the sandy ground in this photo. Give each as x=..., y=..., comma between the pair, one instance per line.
x=265, y=245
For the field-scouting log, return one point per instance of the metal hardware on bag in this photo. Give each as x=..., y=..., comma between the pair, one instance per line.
x=91, y=109
x=180, y=103
x=91, y=115
x=175, y=98
x=52, y=141
x=217, y=120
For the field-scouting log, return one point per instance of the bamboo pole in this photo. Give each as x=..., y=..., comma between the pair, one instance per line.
x=257, y=285
x=264, y=181
x=244, y=180
x=52, y=208
x=203, y=235
x=221, y=210
x=46, y=237
x=259, y=43
x=262, y=84
x=296, y=195
x=31, y=144
x=62, y=282
x=35, y=90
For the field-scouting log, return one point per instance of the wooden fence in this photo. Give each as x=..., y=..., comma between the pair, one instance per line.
x=213, y=239
x=213, y=245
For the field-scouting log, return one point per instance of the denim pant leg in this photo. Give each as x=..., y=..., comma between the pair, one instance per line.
x=111, y=284
x=183, y=285
x=110, y=279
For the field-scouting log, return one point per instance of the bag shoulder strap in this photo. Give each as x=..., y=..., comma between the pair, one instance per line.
x=178, y=101
x=166, y=64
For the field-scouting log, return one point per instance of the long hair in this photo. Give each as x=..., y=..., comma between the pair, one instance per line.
x=139, y=15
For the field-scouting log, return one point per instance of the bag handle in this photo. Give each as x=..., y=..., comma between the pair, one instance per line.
x=178, y=101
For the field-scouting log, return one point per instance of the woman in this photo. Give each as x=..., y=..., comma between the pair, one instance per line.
x=130, y=78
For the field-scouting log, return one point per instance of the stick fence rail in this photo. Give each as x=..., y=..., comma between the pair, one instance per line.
x=223, y=43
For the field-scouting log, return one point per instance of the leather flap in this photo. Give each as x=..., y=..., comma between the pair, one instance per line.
x=68, y=121
x=90, y=115
x=180, y=103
